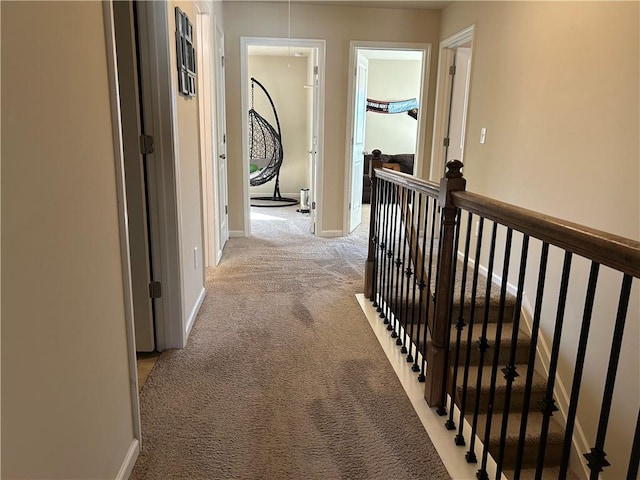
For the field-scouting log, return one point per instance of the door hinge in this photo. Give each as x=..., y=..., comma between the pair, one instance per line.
x=224, y=138
x=452, y=70
x=313, y=205
x=226, y=209
x=446, y=142
x=315, y=69
x=146, y=144
x=155, y=290
x=222, y=60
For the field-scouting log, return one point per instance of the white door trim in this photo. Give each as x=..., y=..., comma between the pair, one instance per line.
x=354, y=46
x=204, y=22
x=109, y=28
x=443, y=96
x=320, y=46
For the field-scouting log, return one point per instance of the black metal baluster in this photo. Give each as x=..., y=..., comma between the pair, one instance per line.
x=415, y=223
x=394, y=262
x=482, y=343
x=577, y=376
x=535, y=328
x=634, y=459
x=401, y=262
x=421, y=377
x=375, y=216
x=460, y=323
x=454, y=263
x=482, y=472
x=422, y=286
x=390, y=246
x=548, y=404
x=470, y=455
x=510, y=371
x=408, y=271
x=596, y=457
x=383, y=252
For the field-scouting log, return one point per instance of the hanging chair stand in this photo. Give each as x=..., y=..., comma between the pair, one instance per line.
x=265, y=153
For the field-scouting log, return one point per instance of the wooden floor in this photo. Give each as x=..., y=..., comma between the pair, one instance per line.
x=146, y=362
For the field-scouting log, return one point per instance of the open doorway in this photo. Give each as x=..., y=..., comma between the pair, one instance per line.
x=452, y=98
x=388, y=91
x=286, y=93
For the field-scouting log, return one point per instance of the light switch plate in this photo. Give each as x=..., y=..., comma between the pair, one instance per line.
x=483, y=134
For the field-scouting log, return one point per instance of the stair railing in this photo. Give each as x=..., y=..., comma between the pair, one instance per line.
x=431, y=277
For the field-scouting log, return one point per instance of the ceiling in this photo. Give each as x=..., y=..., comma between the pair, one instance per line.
x=403, y=4
x=419, y=4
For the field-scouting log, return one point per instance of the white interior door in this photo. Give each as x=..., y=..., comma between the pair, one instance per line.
x=459, y=100
x=222, y=225
x=135, y=178
x=357, y=143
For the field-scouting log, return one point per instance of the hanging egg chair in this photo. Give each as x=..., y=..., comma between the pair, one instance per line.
x=265, y=153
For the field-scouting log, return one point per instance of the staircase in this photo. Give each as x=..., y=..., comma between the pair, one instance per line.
x=467, y=339
x=555, y=436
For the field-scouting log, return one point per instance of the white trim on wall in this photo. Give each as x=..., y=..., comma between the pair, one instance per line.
x=194, y=312
x=443, y=94
x=354, y=46
x=110, y=41
x=129, y=460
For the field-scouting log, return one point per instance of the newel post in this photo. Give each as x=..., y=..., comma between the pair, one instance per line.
x=376, y=162
x=437, y=351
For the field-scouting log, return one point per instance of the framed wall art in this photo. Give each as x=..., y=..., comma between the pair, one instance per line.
x=186, y=54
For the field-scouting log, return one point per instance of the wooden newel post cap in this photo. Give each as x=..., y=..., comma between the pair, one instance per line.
x=453, y=181
x=454, y=168
x=376, y=162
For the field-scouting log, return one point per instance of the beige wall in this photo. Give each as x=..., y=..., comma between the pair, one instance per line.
x=284, y=78
x=556, y=86
x=66, y=399
x=338, y=26
x=392, y=80
x=188, y=176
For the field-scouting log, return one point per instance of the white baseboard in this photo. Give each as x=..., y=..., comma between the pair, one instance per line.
x=330, y=233
x=269, y=194
x=452, y=456
x=194, y=313
x=236, y=233
x=129, y=460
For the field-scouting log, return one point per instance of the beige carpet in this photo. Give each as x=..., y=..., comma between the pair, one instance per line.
x=282, y=377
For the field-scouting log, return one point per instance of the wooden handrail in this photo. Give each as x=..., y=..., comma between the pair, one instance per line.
x=620, y=253
x=409, y=181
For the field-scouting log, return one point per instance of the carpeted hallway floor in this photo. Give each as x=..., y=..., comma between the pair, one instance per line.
x=282, y=377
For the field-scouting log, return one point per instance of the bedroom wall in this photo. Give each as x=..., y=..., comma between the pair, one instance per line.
x=556, y=86
x=392, y=80
x=337, y=25
x=284, y=78
x=66, y=390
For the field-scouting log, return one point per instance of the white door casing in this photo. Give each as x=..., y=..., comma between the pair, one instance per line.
x=355, y=53
x=444, y=92
x=207, y=149
x=318, y=48
x=357, y=142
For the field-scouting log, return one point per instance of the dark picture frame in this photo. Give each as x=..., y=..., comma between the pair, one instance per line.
x=185, y=54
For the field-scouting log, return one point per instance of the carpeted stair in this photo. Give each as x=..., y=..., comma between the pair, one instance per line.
x=555, y=436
